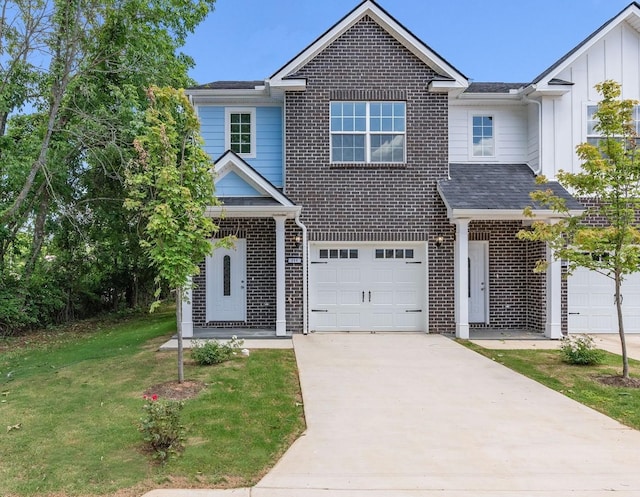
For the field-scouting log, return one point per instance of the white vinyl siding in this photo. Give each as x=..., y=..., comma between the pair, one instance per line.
x=567, y=115
x=510, y=126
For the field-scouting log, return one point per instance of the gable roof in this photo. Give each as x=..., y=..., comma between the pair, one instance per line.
x=493, y=191
x=271, y=202
x=630, y=14
x=450, y=75
x=230, y=162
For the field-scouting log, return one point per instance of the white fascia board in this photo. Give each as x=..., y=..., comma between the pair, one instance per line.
x=486, y=98
x=408, y=40
x=630, y=14
x=539, y=90
x=288, y=84
x=437, y=86
x=505, y=214
x=245, y=211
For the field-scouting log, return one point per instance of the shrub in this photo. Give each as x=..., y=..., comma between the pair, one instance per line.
x=214, y=352
x=161, y=427
x=581, y=350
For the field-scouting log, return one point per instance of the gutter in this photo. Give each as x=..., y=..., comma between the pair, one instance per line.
x=527, y=100
x=305, y=269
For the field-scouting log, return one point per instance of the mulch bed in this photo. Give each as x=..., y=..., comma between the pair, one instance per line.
x=619, y=381
x=172, y=390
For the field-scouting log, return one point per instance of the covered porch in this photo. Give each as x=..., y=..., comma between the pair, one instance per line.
x=494, y=285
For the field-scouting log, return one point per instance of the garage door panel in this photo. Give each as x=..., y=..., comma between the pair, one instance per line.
x=348, y=320
x=350, y=297
x=327, y=297
x=591, y=303
x=326, y=275
x=341, y=274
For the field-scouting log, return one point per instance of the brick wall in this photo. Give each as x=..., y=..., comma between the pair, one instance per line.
x=356, y=202
x=261, y=275
x=516, y=294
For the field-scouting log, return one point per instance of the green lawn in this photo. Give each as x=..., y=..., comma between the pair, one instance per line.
x=577, y=382
x=77, y=397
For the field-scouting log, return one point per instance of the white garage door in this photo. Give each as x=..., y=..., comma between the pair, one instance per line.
x=356, y=287
x=591, y=303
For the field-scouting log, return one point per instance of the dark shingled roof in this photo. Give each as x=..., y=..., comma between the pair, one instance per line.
x=496, y=186
x=249, y=201
x=493, y=87
x=229, y=85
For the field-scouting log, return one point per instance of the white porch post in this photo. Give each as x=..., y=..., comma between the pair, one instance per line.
x=281, y=310
x=187, y=312
x=553, y=326
x=461, y=275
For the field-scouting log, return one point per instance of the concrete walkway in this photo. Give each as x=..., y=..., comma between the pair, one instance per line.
x=413, y=415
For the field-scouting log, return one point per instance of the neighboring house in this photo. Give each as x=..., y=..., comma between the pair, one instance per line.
x=372, y=187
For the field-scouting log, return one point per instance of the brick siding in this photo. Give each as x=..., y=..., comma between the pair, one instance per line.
x=356, y=202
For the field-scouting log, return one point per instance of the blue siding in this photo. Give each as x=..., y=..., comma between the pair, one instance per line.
x=233, y=185
x=269, y=139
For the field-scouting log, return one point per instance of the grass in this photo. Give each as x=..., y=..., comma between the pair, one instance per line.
x=77, y=398
x=577, y=382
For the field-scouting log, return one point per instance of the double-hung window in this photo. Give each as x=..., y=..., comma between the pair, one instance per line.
x=483, y=136
x=368, y=132
x=240, y=132
x=594, y=136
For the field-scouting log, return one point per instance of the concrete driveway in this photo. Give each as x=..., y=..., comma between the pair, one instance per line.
x=419, y=415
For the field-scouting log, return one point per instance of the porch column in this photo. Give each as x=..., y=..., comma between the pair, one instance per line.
x=187, y=312
x=461, y=275
x=281, y=309
x=553, y=326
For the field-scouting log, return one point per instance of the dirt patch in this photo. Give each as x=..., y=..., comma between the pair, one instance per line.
x=619, y=381
x=173, y=390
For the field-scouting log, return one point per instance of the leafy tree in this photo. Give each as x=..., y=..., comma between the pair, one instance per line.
x=170, y=185
x=73, y=75
x=605, y=237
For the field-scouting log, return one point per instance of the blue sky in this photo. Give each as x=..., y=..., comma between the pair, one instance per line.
x=490, y=40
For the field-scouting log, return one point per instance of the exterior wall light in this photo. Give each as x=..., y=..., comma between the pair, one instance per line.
x=439, y=241
x=297, y=240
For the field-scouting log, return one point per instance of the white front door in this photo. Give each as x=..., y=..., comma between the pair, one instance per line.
x=226, y=289
x=478, y=281
x=367, y=287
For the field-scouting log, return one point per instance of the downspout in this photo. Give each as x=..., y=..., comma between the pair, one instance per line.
x=539, y=104
x=305, y=305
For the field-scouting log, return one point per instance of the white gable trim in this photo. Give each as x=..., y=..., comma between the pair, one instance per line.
x=232, y=162
x=631, y=15
x=395, y=29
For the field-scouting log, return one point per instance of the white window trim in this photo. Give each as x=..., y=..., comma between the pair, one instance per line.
x=483, y=158
x=585, y=116
x=227, y=128
x=368, y=134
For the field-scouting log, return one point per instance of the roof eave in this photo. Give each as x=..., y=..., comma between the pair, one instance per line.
x=507, y=214
x=247, y=211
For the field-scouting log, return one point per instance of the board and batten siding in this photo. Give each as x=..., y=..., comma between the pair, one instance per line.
x=269, y=143
x=511, y=123
x=615, y=56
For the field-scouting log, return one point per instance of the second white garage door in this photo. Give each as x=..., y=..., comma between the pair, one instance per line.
x=358, y=287
x=591, y=305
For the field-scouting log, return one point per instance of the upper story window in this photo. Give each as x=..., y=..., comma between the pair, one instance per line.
x=368, y=132
x=240, y=131
x=593, y=135
x=483, y=136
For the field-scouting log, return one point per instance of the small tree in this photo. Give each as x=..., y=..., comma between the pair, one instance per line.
x=170, y=186
x=605, y=237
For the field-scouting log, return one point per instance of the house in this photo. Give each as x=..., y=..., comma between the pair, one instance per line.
x=372, y=187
